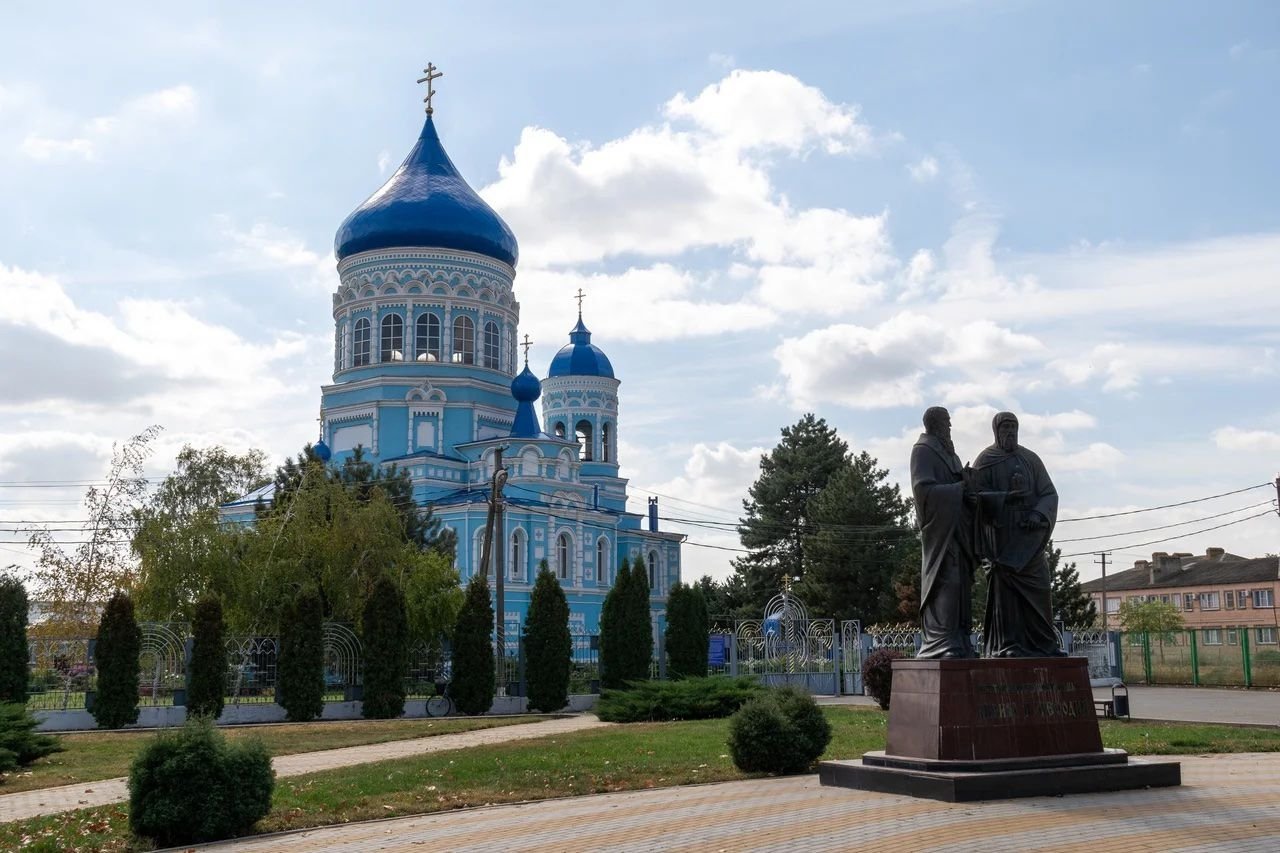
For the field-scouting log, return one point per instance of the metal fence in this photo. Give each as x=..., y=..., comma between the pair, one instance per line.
x=1227, y=657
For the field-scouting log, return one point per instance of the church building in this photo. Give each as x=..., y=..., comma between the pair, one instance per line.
x=427, y=376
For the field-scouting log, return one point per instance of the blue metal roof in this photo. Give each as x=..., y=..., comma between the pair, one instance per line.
x=580, y=357
x=427, y=204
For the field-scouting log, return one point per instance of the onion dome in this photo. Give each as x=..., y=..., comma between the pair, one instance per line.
x=427, y=204
x=322, y=451
x=580, y=357
x=526, y=389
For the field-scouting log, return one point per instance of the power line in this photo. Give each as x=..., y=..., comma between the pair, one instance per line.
x=1165, y=506
x=1163, y=526
x=1171, y=538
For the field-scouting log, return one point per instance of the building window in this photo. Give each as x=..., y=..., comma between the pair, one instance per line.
x=1231, y=599
x=559, y=429
x=1232, y=638
x=602, y=560
x=562, y=556
x=1188, y=602
x=340, y=348
x=360, y=356
x=1164, y=599
x=427, y=344
x=392, y=348
x=653, y=570
x=1242, y=599
x=1264, y=598
x=606, y=434
x=464, y=340
x=1113, y=604
x=1266, y=636
x=478, y=564
x=518, y=552
x=1209, y=601
x=583, y=431
x=1212, y=637
x=492, y=343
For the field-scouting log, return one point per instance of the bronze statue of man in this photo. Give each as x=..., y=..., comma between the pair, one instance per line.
x=943, y=509
x=1017, y=508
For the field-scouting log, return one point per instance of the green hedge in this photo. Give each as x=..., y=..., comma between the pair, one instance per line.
x=781, y=732
x=687, y=699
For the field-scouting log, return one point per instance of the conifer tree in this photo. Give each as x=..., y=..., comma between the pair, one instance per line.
x=207, y=675
x=638, y=627
x=13, y=640
x=300, y=670
x=472, y=686
x=1072, y=606
x=688, y=632
x=386, y=651
x=547, y=644
x=613, y=666
x=115, y=654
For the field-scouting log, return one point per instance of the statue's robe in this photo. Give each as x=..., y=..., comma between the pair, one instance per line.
x=1019, y=612
x=947, y=556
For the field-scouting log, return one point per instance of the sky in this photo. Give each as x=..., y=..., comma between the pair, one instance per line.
x=852, y=209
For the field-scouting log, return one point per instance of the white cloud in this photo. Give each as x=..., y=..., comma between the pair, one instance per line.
x=138, y=121
x=1252, y=440
x=924, y=171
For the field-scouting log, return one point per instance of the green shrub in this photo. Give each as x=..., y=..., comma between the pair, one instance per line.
x=547, y=644
x=778, y=733
x=472, y=687
x=20, y=743
x=115, y=654
x=613, y=667
x=386, y=651
x=688, y=632
x=13, y=640
x=688, y=699
x=190, y=785
x=207, y=674
x=877, y=675
x=300, y=672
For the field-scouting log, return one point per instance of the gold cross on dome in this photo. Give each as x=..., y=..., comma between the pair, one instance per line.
x=432, y=74
x=526, y=344
x=580, y=296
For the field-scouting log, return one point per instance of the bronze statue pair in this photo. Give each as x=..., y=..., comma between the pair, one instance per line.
x=995, y=516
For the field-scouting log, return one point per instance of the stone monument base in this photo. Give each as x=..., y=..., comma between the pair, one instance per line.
x=965, y=730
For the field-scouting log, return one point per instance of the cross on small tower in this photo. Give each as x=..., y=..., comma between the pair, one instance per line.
x=432, y=73
x=580, y=296
x=526, y=344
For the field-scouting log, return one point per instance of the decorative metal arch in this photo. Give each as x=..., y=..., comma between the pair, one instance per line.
x=341, y=655
x=162, y=661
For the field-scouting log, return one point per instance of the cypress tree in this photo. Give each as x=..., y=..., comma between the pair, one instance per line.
x=548, y=646
x=639, y=627
x=472, y=687
x=386, y=650
x=207, y=675
x=300, y=670
x=115, y=654
x=13, y=640
x=612, y=642
x=688, y=632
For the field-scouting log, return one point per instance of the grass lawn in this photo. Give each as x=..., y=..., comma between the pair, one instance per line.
x=640, y=755
x=104, y=755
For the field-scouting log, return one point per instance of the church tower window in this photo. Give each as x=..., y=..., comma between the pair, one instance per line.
x=606, y=455
x=559, y=429
x=360, y=356
x=562, y=556
x=653, y=570
x=392, y=338
x=427, y=345
x=583, y=430
x=464, y=340
x=492, y=342
x=602, y=560
x=517, y=555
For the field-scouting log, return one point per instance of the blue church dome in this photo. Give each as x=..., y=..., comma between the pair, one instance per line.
x=427, y=204
x=526, y=388
x=580, y=357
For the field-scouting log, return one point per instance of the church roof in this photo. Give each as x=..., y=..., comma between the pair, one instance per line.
x=580, y=357
x=426, y=204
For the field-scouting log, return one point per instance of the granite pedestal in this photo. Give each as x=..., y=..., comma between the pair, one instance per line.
x=963, y=730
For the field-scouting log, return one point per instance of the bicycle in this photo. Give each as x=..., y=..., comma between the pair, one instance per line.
x=440, y=705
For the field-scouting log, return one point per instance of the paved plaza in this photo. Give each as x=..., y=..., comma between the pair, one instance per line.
x=1227, y=803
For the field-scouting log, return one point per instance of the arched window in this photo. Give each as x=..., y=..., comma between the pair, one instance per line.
x=606, y=455
x=562, y=556
x=559, y=429
x=427, y=345
x=477, y=559
x=529, y=463
x=340, y=348
x=518, y=552
x=360, y=356
x=492, y=342
x=583, y=431
x=653, y=570
x=392, y=348
x=464, y=340
x=602, y=560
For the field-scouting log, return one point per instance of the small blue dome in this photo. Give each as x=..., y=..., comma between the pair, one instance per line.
x=580, y=357
x=322, y=451
x=526, y=388
x=426, y=204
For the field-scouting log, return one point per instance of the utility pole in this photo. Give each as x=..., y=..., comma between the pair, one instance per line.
x=1103, y=555
x=1277, y=494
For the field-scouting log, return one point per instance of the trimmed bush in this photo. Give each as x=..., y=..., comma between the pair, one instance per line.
x=191, y=785
x=115, y=654
x=386, y=651
x=688, y=699
x=877, y=675
x=300, y=671
x=472, y=687
x=688, y=632
x=207, y=675
x=13, y=640
x=20, y=743
x=613, y=667
x=548, y=647
x=781, y=732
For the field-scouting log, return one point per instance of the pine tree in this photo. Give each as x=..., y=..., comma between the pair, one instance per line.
x=638, y=626
x=472, y=687
x=386, y=651
x=1072, y=606
x=777, y=511
x=13, y=640
x=688, y=632
x=300, y=670
x=115, y=654
x=207, y=674
x=613, y=666
x=547, y=644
